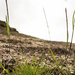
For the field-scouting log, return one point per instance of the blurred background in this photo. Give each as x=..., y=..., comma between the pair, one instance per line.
x=27, y=17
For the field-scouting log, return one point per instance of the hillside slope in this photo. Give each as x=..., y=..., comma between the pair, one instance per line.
x=31, y=46
x=13, y=31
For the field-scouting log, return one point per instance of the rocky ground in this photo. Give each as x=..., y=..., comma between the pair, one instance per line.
x=31, y=47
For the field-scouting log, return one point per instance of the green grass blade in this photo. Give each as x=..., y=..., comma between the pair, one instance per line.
x=4, y=68
x=54, y=58
x=7, y=27
x=73, y=21
x=40, y=58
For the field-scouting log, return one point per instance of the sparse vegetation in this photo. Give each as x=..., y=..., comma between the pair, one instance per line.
x=35, y=68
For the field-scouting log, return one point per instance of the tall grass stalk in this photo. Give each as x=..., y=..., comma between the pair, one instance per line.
x=71, y=37
x=72, y=29
x=7, y=10
x=46, y=22
x=67, y=28
x=48, y=30
x=57, y=63
x=67, y=39
x=67, y=36
x=7, y=23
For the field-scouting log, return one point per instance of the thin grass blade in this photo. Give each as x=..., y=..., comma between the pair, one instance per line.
x=7, y=27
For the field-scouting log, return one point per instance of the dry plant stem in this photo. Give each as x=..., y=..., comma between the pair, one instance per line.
x=8, y=21
x=71, y=40
x=67, y=27
x=73, y=20
x=67, y=34
x=7, y=11
x=46, y=22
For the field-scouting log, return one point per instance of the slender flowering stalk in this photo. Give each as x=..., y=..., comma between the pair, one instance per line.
x=67, y=25
x=7, y=23
x=67, y=34
x=73, y=21
x=7, y=11
x=46, y=22
x=67, y=30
